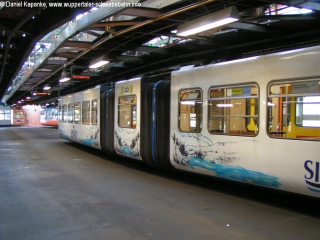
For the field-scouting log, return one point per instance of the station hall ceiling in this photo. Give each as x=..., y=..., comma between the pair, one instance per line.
x=40, y=44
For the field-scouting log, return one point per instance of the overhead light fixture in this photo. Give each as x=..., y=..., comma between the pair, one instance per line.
x=213, y=20
x=99, y=62
x=47, y=87
x=81, y=77
x=64, y=77
x=224, y=105
x=40, y=93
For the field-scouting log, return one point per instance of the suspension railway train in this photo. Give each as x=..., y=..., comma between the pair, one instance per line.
x=254, y=120
x=49, y=116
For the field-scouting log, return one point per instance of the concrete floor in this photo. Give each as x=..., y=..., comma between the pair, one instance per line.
x=54, y=189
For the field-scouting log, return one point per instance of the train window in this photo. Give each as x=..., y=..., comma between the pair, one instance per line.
x=294, y=109
x=233, y=110
x=64, y=113
x=55, y=114
x=127, y=111
x=1, y=113
x=70, y=113
x=94, y=112
x=190, y=110
x=77, y=113
x=60, y=114
x=7, y=112
x=86, y=112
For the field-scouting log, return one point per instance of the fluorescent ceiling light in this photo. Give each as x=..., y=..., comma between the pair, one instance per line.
x=213, y=20
x=187, y=103
x=46, y=87
x=224, y=105
x=99, y=62
x=65, y=79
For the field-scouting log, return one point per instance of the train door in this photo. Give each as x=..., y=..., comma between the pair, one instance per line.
x=18, y=117
x=127, y=118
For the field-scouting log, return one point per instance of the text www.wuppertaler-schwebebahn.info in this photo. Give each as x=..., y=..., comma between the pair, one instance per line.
x=80, y=4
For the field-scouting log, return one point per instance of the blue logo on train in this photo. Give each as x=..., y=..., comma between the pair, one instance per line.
x=312, y=177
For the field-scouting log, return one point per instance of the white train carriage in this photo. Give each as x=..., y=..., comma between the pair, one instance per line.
x=80, y=117
x=245, y=120
x=255, y=120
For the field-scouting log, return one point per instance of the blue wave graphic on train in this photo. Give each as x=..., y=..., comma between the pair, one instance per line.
x=128, y=147
x=126, y=151
x=89, y=142
x=236, y=173
x=313, y=187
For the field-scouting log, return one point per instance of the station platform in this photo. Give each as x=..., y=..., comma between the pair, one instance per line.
x=51, y=188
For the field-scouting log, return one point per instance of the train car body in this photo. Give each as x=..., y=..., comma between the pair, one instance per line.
x=18, y=117
x=237, y=120
x=80, y=115
x=254, y=120
x=49, y=116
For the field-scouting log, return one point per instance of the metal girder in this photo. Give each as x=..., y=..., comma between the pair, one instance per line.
x=92, y=33
x=55, y=62
x=310, y=16
x=127, y=58
x=66, y=54
x=113, y=24
x=75, y=44
x=147, y=49
x=39, y=74
x=72, y=49
x=141, y=12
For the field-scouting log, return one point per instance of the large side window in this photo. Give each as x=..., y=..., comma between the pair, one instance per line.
x=77, y=112
x=70, y=113
x=86, y=112
x=64, y=113
x=233, y=110
x=127, y=111
x=190, y=110
x=294, y=109
x=94, y=112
